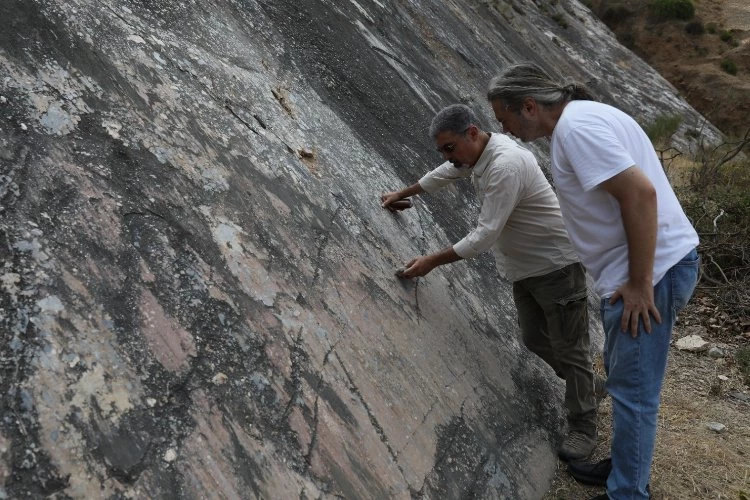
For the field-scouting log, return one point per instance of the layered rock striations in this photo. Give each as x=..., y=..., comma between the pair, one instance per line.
x=198, y=298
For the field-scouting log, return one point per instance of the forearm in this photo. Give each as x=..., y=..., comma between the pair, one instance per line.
x=444, y=256
x=421, y=266
x=636, y=196
x=412, y=190
x=640, y=222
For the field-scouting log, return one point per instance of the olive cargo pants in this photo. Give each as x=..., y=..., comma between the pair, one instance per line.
x=554, y=321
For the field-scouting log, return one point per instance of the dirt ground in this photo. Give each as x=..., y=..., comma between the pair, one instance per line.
x=691, y=461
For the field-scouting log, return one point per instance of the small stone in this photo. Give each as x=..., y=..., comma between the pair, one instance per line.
x=3, y=99
x=151, y=402
x=692, y=343
x=715, y=353
x=24, y=127
x=716, y=427
x=740, y=396
x=723, y=378
x=219, y=379
x=170, y=455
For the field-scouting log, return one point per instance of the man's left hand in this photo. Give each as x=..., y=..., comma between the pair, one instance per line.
x=638, y=303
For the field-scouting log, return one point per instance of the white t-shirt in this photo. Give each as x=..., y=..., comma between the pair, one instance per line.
x=593, y=142
x=520, y=218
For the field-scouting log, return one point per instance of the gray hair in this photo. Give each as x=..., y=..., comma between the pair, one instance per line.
x=529, y=80
x=456, y=118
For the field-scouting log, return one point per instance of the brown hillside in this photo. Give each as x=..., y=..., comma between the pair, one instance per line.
x=697, y=56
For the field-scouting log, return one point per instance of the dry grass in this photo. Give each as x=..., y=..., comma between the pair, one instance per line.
x=691, y=461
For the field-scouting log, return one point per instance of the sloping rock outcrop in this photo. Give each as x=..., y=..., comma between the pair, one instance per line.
x=198, y=298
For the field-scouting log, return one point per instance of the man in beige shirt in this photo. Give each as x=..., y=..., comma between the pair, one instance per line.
x=520, y=222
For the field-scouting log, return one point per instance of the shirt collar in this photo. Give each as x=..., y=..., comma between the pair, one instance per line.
x=486, y=156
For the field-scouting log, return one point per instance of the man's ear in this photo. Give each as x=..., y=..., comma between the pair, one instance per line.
x=473, y=131
x=529, y=104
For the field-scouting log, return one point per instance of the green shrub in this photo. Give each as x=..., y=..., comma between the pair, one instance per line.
x=663, y=127
x=711, y=28
x=673, y=9
x=726, y=36
x=729, y=66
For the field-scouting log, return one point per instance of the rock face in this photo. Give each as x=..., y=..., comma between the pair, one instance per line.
x=198, y=291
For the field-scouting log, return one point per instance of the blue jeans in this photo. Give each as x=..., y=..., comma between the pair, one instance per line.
x=635, y=369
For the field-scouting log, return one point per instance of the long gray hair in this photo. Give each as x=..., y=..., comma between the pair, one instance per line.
x=529, y=80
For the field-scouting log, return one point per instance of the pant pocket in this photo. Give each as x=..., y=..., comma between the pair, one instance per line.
x=574, y=316
x=684, y=280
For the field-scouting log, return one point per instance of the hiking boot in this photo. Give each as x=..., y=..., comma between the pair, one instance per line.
x=577, y=445
x=591, y=473
x=600, y=388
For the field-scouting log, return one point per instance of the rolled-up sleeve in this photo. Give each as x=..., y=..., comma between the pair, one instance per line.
x=502, y=193
x=442, y=176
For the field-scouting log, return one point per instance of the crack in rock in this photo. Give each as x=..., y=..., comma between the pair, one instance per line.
x=373, y=419
x=297, y=354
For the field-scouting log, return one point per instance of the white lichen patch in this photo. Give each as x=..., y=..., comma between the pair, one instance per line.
x=112, y=395
x=214, y=180
x=34, y=247
x=51, y=304
x=112, y=127
x=10, y=285
x=244, y=260
x=58, y=120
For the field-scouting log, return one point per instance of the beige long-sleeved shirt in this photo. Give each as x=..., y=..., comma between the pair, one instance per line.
x=520, y=217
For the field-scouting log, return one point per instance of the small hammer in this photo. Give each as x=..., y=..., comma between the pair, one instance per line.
x=401, y=204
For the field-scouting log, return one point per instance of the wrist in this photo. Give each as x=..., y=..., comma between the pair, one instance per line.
x=641, y=280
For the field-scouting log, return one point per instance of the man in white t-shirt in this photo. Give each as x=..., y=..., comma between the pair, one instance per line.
x=632, y=236
x=520, y=223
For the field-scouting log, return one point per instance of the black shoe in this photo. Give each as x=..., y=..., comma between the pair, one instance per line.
x=587, y=473
x=604, y=496
x=578, y=445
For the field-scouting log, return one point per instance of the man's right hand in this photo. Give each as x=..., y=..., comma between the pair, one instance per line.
x=388, y=198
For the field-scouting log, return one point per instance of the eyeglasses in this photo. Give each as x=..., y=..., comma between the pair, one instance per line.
x=451, y=146
x=447, y=148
